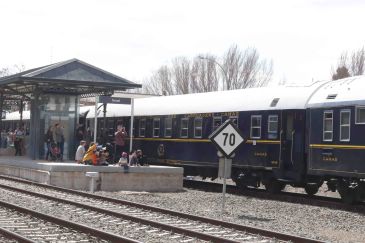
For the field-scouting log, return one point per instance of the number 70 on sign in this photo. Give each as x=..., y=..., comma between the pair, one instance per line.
x=227, y=138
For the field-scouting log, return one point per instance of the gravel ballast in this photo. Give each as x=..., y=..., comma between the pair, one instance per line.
x=315, y=222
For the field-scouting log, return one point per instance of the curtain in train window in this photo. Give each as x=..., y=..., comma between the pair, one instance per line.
x=198, y=127
x=184, y=127
x=345, y=119
x=327, y=125
x=142, y=127
x=168, y=127
x=255, y=127
x=156, y=127
x=272, y=127
x=360, y=115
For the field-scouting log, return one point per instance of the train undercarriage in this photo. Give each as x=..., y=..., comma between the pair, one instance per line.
x=351, y=190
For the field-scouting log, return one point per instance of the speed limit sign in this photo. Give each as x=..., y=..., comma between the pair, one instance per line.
x=227, y=138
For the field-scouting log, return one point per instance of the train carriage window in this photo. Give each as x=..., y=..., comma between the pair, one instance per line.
x=110, y=127
x=360, y=115
x=327, y=125
x=272, y=127
x=255, y=126
x=198, y=127
x=345, y=119
x=217, y=121
x=168, y=127
x=156, y=127
x=142, y=127
x=184, y=127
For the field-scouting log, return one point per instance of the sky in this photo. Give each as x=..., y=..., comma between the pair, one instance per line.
x=133, y=38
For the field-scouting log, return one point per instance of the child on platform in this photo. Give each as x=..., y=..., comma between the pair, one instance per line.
x=80, y=152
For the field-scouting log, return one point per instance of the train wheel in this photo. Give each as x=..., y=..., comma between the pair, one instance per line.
x=311, y=189
x=349, y=195
x=274, y=186
x=241, y=185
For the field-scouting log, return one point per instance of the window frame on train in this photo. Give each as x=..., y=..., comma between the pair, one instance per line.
x=347, y=126
x=325, y=131
x=142, y=128
x=272, y=133
x=182, y=120
x=359, y=120
x=256, y=127
x=156, y=129
x=198, y=128
x=168, y=127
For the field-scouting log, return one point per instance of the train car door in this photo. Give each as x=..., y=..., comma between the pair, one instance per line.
x=292, y=143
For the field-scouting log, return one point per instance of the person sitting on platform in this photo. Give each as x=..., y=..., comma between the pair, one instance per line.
x=135, y=158
x=80, y=152
x=91, y=155
x=103, y=156
x=123, y=161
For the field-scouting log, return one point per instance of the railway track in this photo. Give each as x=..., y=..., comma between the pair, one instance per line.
x=165, y=225
x=20, y=224
x=322, y=201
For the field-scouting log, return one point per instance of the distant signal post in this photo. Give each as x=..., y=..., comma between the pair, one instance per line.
x=226, y=138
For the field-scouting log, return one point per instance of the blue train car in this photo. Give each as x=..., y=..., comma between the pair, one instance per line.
x=299, y=136
x=336, y=136
x=174, y=130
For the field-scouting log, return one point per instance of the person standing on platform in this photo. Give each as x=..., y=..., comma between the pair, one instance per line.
x=79, y=133
x=48, y=139
x=58, y=138
x=19, y=135
x=80, y=152
x=119, y=141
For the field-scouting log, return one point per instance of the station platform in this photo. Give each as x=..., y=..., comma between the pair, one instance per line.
x=71, y=175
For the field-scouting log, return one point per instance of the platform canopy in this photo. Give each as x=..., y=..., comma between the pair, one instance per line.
x=73, y=77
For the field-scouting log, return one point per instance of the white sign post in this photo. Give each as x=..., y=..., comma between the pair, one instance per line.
x=226, y=138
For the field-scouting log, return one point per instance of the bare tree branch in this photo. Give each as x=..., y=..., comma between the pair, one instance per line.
x=4, y=72
x=181, y=74
x=160, y=82
x=347, y=67
x=357, y=62
x=204, y=77
x=245, y=69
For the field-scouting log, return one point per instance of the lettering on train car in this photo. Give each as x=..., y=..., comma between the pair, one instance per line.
x=260, y=154
x=198, y=115
x=274, y=162
x=330, y=158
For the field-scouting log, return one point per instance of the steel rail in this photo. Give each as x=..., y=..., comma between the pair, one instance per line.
x=15, y=236
x=69, y=224
x=163, y=226
x=248, y=229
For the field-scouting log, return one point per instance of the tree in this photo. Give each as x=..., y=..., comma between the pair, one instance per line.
x=181, y=74
x=341, y=72
x=160, y=83
x=348, y=67
x=4, y=72
x=9, y=71
x=244, y=69
x=204, y=76
x=357, y=62
x=239, y=69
